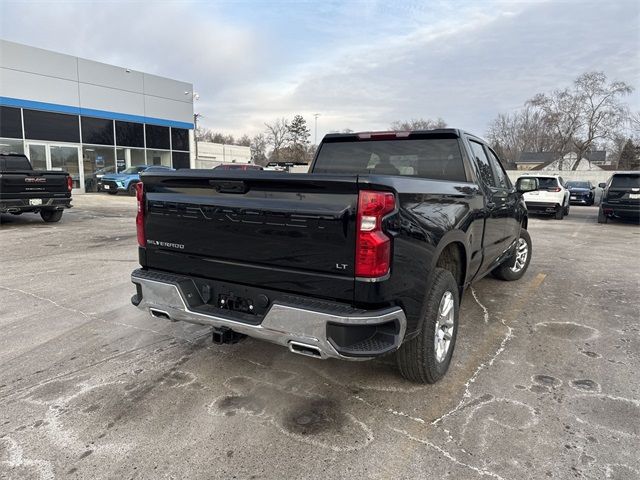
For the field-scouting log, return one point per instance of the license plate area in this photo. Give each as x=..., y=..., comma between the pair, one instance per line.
x=35, y=201
x=106, y=187
x=634, y=195
x=228, y=301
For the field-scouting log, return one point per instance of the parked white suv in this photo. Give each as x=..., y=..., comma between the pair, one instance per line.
x=552, y=196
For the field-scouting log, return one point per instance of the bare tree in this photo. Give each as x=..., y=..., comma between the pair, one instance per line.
x=207, y=135
x=277, y=134
x=244, y=140
x=259, y=149
x=589, y=111
x=525, y=130
x=417, y=124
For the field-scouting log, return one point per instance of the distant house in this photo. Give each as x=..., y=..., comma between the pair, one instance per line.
x=531, y=160
x=553, y=161
x=597, y=157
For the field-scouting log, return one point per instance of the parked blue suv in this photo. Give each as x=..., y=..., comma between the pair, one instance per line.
x=126, y=180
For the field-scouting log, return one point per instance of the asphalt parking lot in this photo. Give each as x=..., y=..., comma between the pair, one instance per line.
x=544, y=381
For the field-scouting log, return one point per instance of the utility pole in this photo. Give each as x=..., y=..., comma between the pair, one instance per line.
x=315, y=128
x=196, y=116
x=194, y=97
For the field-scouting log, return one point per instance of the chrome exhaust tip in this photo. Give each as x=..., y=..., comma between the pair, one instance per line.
x=305, y=349
x=159, y=314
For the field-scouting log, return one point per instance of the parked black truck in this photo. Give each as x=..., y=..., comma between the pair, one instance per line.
x=23, y=189
x=367, y=254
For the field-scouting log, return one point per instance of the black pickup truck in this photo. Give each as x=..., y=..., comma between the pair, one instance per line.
x=23, y=189
x=367, y=254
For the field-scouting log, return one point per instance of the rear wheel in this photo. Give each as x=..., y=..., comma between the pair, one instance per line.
x=132, y=189
x=566, y=209
x=516, y=266
x=602, y=218
x=51, y=216
x=559, y=212
x=426, y=358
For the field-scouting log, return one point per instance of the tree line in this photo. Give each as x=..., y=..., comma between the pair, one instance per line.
x=282, y=140
x=588, y=115
x=285, y=140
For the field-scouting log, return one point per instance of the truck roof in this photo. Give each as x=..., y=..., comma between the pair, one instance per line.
x=452, y=132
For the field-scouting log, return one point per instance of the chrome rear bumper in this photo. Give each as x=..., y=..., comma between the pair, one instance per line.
x=302, y=330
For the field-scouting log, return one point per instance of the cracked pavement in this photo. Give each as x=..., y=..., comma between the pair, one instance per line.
x=544, y=381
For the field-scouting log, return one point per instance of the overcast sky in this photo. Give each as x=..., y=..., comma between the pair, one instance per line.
x=359, y=64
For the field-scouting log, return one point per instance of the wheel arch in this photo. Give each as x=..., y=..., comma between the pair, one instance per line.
x=451, y=255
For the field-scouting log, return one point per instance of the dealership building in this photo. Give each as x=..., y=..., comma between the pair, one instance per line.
x=89, y=118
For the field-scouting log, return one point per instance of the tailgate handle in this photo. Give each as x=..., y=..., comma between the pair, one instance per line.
x=228, y=186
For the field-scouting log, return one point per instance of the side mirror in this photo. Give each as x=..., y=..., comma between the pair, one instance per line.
x=602, y=185
x=592, y=187
x=526, y=184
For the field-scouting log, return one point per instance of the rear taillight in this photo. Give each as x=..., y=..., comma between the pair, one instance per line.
x=373, y=247
x=142, y=238
x=556, y=189
x=69, y=183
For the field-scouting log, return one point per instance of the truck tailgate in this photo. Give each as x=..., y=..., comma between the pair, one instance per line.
x=288, y=232
x=29, y=184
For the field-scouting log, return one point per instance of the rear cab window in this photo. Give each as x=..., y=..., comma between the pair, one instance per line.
x=14, y=162
x=433, y=158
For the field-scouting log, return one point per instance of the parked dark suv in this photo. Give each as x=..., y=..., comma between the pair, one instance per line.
x=581, y=193
x=621, y=197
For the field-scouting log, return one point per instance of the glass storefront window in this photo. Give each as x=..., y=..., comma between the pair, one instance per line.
x=10, y=122
x=180, y=139
x=56, y=127
x=181, y=160
x=38, y=156
x=97, y=131
x=129, y=134
x=159, y=157
x=157, y=136
x=11, y=145
x=129, y=157
x=97, y=162
x=66, y=158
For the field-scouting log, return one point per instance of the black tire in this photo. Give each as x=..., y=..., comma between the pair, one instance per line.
x=51, y=216
x=602, y=218
x=566, y=209
x=504, y=271
x=112, y=192
x=559, y=213
x=132, y=189
x=416, y=358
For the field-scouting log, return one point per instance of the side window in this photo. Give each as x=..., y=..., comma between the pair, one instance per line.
x=501, y=177
x=486, y=173
x=561, y=181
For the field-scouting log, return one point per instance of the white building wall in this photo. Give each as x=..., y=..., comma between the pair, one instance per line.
x=38, y=75
x=213, y=154
x=595, y=176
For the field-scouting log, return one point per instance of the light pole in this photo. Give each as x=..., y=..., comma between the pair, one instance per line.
x=315, y=129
